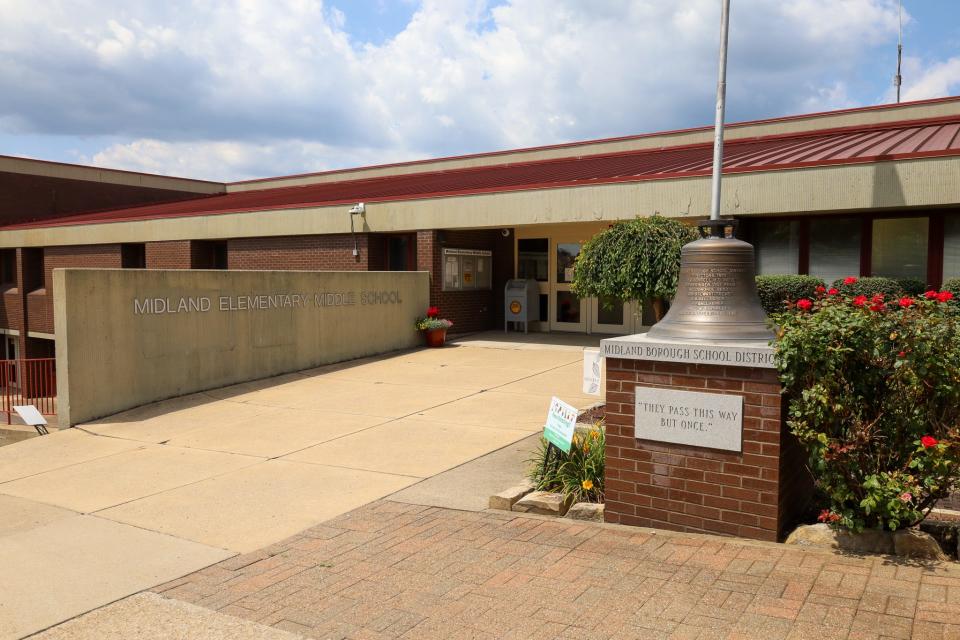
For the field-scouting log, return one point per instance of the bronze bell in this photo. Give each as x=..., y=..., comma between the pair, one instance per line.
x=717, y=294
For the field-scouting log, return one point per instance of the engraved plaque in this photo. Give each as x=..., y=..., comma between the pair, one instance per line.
x=712, y=420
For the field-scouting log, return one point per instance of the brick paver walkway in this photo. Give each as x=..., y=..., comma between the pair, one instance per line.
x=392, y=570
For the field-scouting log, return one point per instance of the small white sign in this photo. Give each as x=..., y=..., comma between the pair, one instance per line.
x=712, y=420
x=561, y=422
x=29, y=414
x=592, y=371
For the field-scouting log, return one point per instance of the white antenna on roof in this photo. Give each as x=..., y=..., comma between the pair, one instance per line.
x=898, y=79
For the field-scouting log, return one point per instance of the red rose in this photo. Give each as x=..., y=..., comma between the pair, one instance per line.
x=901, y=354
x=906, y=302
x=433, y=312
x=821, y=289
x=803, y=304
x=833, y=291
x=849, y=280
x=931, y=295
x=929, y=441
x=877, y=306
x=877, y=298
x=944, y=296
x=859, y=301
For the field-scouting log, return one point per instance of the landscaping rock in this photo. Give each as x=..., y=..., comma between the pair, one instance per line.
x=506, y=499
x=544, y=503
x=913, y=543
x=592, y=511
x=822, y=535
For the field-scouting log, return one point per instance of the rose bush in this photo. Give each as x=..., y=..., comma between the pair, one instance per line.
x=874, y=392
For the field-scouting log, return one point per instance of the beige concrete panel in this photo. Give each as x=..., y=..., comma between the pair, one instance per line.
x=108, y=176
x=471, y=378
x=150, y=616
x=114, y=351
x=564, y=382
x=275, y=432
x=259, y=505
x=19, y=514
x=497, y=409
x=365, y=398
x=106, y=482
x=503, y=356
x=72, y=565
x=410, y=447
x=161, y=421
x=733, y=131
x=60, y=449
x=928, y=182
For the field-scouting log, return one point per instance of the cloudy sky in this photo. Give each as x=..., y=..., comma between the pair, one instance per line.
x=237, y=89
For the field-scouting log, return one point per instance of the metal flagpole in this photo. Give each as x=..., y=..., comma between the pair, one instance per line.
x=718, y=125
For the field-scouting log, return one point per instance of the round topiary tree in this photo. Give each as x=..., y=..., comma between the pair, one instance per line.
x=633, y=260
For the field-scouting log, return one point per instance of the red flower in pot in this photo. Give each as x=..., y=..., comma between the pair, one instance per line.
x=434, y=327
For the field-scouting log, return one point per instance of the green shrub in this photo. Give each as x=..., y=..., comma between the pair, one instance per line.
x=579, y=473
x=633, y=260
x=953, y=286
x=874, y=395
x=911, y=286
x=869, y=287
x=776, y=291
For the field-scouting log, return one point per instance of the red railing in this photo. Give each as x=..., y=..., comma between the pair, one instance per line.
x=32, y=381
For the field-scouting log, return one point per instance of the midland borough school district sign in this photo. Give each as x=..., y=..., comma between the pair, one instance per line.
x=712, y=420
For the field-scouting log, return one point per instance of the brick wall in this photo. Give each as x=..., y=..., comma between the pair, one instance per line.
x=298, y=253
x=173, y=254
x=40, y=302
x=469, y=310
x=756, y=493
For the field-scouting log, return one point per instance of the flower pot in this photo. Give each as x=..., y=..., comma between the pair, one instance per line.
x=436, y=337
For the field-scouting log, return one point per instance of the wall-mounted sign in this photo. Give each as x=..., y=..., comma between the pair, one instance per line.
x=561, y=422
x=712, y=420
x=466, y=269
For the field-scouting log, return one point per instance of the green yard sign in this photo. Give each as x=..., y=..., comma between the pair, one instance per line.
x=561, y=421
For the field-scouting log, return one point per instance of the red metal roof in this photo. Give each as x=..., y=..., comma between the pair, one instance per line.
x=849, y=145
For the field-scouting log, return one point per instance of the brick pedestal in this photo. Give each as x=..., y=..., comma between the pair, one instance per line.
x=755, y=493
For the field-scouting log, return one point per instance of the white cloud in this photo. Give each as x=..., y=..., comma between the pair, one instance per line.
x=935, y=80
x=249, y=88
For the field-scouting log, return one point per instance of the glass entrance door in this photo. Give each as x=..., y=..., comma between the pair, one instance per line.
x=612, y=316
x=567, y=311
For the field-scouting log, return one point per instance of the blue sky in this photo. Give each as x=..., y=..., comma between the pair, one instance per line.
x=245, y=88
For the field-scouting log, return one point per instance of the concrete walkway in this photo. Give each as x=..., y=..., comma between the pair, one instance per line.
x=394, y=570
x=93, y=514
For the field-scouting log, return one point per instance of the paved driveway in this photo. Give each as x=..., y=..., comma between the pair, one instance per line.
x=98, y=512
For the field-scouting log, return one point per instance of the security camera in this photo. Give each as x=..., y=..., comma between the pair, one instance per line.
x=505, y=233
x=358, y=208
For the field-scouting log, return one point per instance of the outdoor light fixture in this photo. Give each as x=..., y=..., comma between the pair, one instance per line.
x=357, y=209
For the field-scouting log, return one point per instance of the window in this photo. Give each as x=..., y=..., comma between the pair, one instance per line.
x=34, y=277
x=567, y=253
x=466, y=269
x=8, y=266
x=208, y=254
x=951, y=247
x=776, y=244
x=900, y=247
x=133, y=256
x=835, y=248
x=532, y=257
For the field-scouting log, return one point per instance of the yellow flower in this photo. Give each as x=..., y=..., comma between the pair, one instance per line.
x=594, y=434
x=587, y=484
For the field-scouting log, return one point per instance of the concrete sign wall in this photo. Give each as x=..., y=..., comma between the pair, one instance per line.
x=129, y=337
